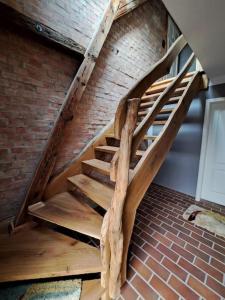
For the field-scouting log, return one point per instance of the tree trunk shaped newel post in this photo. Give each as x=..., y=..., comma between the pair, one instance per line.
x=112, y=237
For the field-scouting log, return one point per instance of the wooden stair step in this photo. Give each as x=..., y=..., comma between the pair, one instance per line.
x=99, y=166
x=66, y=211
x=168, y=80
x=35, y=252
x=156, y=122
x=143, y=113
x=112, y=149
x=161, y=87
x=91, y=187
x=91, y=290
x=177, y=92
x=146, y=137
x=172, y=100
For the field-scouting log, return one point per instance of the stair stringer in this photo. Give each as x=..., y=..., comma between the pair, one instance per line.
x=151, y=162
x=60, y=183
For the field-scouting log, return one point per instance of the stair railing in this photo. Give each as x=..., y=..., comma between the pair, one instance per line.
x=112, y=232
x=160, y=69
x=143, y=127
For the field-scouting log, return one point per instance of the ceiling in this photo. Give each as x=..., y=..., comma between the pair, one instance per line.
x=203, y=24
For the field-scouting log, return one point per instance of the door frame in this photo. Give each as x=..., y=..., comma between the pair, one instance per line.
x=205, y=133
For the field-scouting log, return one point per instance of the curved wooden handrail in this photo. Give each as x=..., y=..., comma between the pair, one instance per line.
x=156, y=71
x=143, y=127
x=151, y=161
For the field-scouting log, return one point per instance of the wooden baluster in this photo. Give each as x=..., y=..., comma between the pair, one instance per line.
x=116, y=210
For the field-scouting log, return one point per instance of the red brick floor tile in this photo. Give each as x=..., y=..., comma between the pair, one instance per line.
x=175, y=239
x=162, y=239
x=158, y=268
x=172, y=257
x=201, y=239
x=197, y=252
x=182, y=252
x=183, y=289
x=188, y=239
x=202, y=289
x=219, y=241
x=218, y=265
x=174, y=268
x=209, y=269
x=138, y=252
x=216, y=286
x=163, y=289
x=192, y=269
x=170, y=229
x=128, y=292
x=141, y=268
x=153, y=252
x=213, y=253
x=170, y=253
x=144, y=289
x=149, y=239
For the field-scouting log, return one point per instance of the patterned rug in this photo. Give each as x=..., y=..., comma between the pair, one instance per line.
x=207, y=219
x=54, y=290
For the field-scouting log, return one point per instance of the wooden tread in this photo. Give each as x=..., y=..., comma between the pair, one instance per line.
x=143, y=113
x=66, y=211
x=91, y=290
x=177, y=92
x=37, y=252
x=99, y=166
x=146, y=137
x=90, y=188
x=161, y=87
x=112, y=149
x=156, y=122
x=168, y=80
x=172, y=100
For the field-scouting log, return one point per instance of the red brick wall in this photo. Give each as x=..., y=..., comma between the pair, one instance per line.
x=34, y=81
x=32, y=87
x=133, y=44
x=74, y=18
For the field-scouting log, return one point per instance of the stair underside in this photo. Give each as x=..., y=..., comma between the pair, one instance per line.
x=38, y=252
x=65, y=210
x=91, y=290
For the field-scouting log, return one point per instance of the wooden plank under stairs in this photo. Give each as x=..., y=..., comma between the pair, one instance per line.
x=91, y=187
x=112, y=150
x=66, y=211
x=34, y=252
x=91, y=290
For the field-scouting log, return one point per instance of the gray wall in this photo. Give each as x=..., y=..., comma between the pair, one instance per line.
x=180, y=169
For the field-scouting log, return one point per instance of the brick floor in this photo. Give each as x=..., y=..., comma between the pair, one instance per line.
x=172, y=258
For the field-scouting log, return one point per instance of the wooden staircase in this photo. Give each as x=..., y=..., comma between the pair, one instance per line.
x=111, y=175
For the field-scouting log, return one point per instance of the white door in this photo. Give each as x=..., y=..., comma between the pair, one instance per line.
x=213, y=181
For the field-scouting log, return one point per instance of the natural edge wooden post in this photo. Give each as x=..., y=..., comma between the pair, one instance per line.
x=115, y=234
x=74, y=95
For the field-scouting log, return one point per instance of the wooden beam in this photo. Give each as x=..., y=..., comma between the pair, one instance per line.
x=73, y=96
x=23, y=21
x=127, y=6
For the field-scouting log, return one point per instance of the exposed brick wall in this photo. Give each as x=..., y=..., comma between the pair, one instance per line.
x=32, y=87
x=74, y=19
x=132, y=46
x=170, y=257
